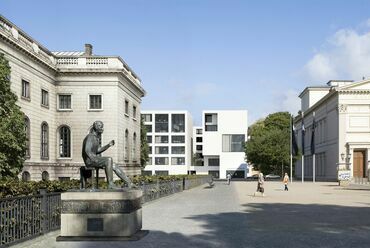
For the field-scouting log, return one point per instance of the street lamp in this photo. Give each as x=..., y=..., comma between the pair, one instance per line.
x=342, y=156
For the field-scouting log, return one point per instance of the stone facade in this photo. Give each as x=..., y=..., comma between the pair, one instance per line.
x=97, y=88
x=342, y=132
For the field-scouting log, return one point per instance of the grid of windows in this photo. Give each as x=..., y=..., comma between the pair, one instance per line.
x=65, y=142
x=178, y=139
x=146, y=117
x=161, y=161
x=161, y=123
x=26, y=89
x=233, y=142
x=95, y=102
x=178, y=161
x=44, y=141
x=161, y=150
x=44, y=98
x=178, y=150
x=65, y=102
x=161, y=139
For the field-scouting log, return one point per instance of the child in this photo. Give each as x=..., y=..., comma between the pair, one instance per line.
x=286, y=181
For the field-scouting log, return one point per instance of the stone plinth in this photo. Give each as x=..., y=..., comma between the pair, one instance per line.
x=102, y=213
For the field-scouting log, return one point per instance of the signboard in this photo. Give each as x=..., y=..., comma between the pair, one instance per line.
x=344, y=175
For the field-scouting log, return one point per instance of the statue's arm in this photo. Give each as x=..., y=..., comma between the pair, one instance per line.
x=103, y=148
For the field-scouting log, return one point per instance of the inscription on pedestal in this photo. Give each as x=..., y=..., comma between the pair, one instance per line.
x=95, y=225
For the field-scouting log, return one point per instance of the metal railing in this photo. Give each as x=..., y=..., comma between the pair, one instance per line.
x=25, y=217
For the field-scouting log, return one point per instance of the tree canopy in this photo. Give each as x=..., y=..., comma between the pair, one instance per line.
x=268, y=147
x=12, y=126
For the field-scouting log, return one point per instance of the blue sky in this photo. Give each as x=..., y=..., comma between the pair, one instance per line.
x=209, y=54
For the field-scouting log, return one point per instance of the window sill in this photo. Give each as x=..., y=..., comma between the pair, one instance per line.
x=44, y=106
x=64, y=159
x=65, y=110
x=26, y=98
x=134, y=119
x=44, y=158
x=95, y=110
x=127, y=115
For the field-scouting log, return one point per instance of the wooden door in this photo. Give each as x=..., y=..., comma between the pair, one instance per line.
x=359, y=164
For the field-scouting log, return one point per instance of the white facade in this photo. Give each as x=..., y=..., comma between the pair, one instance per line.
x=62, y=94
x=342, y=133
x=169, y=135
x=224, y=133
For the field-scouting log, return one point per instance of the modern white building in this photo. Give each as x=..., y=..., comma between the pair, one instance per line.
x=62, y=94
x=342, y=133
x=169, y=135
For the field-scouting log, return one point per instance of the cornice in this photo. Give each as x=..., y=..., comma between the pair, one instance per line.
x=354, y=92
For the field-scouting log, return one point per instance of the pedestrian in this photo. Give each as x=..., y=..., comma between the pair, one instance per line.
x=260, y=184
x=286, y=181
x=228, y=177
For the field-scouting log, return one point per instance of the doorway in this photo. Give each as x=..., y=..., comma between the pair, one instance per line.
x=359, y=165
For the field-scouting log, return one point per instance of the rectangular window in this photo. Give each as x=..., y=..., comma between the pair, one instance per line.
x=161, y=172
x=134, y=112
x=233, y=142
x=161, y=123
x=211, y=122
x=148, y=128
x=126, y=107
x=178, y=123
x=199, y=139
x=178, y=150
x=199, y=131
x=26, y=89
x=199, y=147
x=44, y=98
x=178, y=139
x=161, y=150
x=147, y=117
x=65, y=102
x=178, y=161
x=161, y=139
x=149, y=139
x=161, y=161
x=214, y=162
x=95, y=102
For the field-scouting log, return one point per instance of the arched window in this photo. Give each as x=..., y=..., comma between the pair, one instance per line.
x=26, y=176
x=134, y=147
x=45, y=176
x=44, y=140
x=27, y=131
x=64, y=142
x=126, y=145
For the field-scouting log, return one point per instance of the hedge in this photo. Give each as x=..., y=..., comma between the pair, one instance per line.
x=15, y=187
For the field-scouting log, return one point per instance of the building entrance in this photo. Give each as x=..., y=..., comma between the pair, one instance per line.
x=359, y=165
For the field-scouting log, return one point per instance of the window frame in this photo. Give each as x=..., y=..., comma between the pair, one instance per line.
x=42, y=98
x=27, y=91
x=89, y=102
x=58, y=102
x=44, y=145
x=60, y=143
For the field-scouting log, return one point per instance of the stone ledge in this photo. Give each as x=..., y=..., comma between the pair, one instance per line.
x=135, y=237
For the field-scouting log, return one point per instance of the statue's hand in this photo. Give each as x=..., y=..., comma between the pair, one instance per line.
x=111, y=143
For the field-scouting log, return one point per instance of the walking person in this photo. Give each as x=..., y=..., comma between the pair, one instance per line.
x=260, y=184
x=228, y=177
x=286, y=181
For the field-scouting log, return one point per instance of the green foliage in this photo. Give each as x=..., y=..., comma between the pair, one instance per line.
x=12, y=126
x=269, y=145
x=144, y=147
x=13, y=187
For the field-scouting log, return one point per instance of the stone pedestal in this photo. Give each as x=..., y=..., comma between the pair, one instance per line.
x=102, y=214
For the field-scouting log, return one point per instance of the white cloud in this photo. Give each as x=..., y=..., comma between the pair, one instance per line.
x=345, y=55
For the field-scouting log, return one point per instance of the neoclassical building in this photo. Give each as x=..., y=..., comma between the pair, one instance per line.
x=342, y=133
x=62, y=94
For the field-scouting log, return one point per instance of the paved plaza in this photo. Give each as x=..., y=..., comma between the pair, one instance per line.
x=308, y=215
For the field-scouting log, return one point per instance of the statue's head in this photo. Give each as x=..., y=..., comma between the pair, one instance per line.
x=98, y=126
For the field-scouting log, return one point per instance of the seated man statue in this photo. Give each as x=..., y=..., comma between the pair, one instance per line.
x=91, y=151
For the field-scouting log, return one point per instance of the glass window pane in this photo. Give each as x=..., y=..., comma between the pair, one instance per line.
x=161, y=123
x=178, y=139
x=178, y=123
x=178, y=150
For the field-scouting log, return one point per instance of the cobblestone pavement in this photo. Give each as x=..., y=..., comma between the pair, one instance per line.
x=308, y=215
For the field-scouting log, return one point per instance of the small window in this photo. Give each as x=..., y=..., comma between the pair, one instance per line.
x=64, y=179
x=149, y=162
x=199, y=131
x=161, y=150
x=126, y=107
x=178, y=150
x=26, y=176
x=149, y=139
x=161, y=161
x=65, y=102
x=146, y=117
x=44, y=141
x=213, y=162
x=64, y=142
x=178, y=161
x=95, y=102
x=199, y=139
x=178, y=139
x=150, y=150
x=161, y=139
x=210, y=122
x=134, y=112
x=199, y=147
x=45, y=176
x=26, y=89
x=44, y=98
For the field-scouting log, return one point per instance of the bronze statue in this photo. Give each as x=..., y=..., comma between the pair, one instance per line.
x=91, y=150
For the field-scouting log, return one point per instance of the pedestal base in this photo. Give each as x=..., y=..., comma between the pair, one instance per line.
x=135, y=237
x=104, y=214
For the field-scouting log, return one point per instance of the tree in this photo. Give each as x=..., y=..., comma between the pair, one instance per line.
x=268, y=147
x=144, y=147
x=12, y=127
